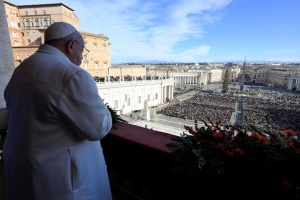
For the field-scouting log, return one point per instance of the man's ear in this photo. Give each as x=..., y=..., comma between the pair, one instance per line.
x=70, y=47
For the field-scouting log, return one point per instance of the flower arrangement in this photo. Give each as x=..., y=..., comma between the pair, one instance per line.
x=115, y=117
x=240, y=159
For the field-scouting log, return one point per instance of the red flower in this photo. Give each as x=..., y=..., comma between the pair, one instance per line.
x=220, y=147
x=227, y=143
x=238, y=152
x=254, y=136
x=263, y=139
x=229, y=154
x=289, y=133
x=293, y=147
x=217, y=135
x=205, y=143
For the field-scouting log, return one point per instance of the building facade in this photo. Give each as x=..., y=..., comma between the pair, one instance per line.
x=128, y=96
x=27, y=24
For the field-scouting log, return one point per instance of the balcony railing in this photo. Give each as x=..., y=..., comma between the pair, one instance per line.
x=139, y=165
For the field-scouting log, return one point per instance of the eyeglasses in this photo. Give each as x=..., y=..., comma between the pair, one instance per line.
x=85, y=51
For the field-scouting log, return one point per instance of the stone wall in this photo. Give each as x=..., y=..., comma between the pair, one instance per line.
x=6, y=63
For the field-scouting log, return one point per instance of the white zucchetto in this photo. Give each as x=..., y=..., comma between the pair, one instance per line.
x=58, y=30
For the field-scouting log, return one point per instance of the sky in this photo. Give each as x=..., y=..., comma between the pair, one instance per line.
x=192, y=30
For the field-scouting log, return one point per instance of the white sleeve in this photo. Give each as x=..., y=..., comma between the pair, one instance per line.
x=83, y=109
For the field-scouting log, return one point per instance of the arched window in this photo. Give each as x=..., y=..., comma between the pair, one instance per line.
x=36, y=22
x=35, y=12
x=27, y=23
x=45, y=22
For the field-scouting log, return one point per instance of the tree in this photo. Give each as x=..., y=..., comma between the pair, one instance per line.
x=226, y=82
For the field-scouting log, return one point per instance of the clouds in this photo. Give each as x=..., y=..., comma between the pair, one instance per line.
x=189, y=31
x=141, y=30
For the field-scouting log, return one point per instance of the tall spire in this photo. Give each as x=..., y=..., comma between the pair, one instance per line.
x=243, y=77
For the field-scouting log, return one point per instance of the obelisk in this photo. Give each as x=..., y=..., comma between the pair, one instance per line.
x=243, y=77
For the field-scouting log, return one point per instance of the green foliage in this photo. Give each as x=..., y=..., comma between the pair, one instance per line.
x=115, y=117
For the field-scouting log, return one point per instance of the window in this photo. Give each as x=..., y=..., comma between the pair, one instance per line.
x=96, y=65
x=26, y=13
x=156, y=96
x=45, y=22
x=29, y=41
x=18, y=57
x=95, y=47
x=17, y=43
x=126, y=97
x=27, y=23
x=13, y=24
x=148, y=97
x=104, y=47
x=86, y=65
x=36, y=22
x=139, y=99
x=15, y=35
x=44, y=11
x=105, y=65
x=27, y=56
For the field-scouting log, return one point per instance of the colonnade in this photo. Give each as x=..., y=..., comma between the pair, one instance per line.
x=167, y=93
x=190, y=78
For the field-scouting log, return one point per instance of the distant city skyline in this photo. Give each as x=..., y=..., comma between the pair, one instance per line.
x=192, y=31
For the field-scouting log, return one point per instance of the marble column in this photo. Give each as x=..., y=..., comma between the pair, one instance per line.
x=6, y=64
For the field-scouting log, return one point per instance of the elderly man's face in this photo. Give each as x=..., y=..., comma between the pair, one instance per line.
x=79, y=50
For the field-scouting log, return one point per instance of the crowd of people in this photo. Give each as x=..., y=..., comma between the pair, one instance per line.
x=127, y=78
x=274, y=112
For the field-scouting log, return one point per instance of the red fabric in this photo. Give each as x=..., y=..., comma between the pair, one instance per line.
x=143, y=136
